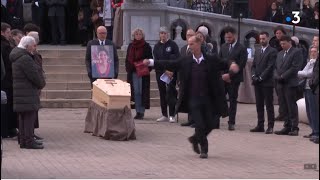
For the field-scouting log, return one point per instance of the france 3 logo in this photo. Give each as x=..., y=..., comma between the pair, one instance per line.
x=295, y=18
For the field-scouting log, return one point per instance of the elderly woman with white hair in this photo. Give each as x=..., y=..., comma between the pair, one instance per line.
x=138, y=50
x=28, y=79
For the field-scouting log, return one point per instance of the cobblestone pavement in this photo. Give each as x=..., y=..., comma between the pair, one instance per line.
x=160, y=151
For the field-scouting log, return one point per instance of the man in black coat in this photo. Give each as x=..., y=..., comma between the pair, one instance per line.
x=201, y=91
x=262, y=79
x=8, y=116
x=223, y=7
x=85, y=27
x=101, y=40
x=288, y=63
x=232, y=50
x=185, y=51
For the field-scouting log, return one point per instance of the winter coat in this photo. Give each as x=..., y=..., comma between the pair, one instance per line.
x=28, y=79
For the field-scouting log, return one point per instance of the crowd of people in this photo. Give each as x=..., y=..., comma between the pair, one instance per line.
x=67, y=21
x=277, y=10
x=205, y=76
x=23, y=80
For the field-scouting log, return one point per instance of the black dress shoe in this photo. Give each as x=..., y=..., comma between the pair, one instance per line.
x=195, y=145
x=231, y=127
x=269, y=131
x=34, y=146
x=186, y=124
x=257, y=129
x=203, y=155
x=308, y=136
x=284, y=131
x=139, y=116
x=316, y=140
x=294, y=133
x=37, y=137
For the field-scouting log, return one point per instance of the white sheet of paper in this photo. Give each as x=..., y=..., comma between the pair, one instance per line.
x=165, y=78
x=249, y=50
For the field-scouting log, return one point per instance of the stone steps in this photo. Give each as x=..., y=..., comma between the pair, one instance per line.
x=78, y=94
x=80, y=103
x=81, y=85
x=68, y=85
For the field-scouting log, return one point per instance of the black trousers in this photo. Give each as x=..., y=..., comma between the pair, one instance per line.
x=26, y=127
x=203, y=115
x=85, y=30
x=264, y=96
x=58, y=29
x=9, y=120
x=287, y=101
x=281, y=110
x=232, y=91
x=163, y=97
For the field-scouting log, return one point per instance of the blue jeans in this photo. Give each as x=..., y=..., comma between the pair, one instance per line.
x=312, y=111
x=137, y=86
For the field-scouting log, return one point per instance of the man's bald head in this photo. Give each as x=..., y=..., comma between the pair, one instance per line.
x=102, y=33
x=194, y=43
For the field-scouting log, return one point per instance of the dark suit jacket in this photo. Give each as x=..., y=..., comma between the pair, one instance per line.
x=288, y=67
x=217, y=8
x=277, y=18
x=56, y=7
x=238, y=55
x=216, y=86
x=183, y=50
x=88, y=56
x=263, y=65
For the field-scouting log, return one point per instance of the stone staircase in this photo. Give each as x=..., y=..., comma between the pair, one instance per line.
x=68, y=85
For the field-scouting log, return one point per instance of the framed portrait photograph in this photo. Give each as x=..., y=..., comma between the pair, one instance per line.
x=102, y=61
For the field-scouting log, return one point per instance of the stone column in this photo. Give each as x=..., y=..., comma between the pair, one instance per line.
x=148, y=15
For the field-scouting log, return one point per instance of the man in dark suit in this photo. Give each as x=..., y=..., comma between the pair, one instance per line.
x=232, y=50
x=185, y=51
x=288, y=63
x=101, y=40
x=57, y=15
x=262, y=79
x=201, y=91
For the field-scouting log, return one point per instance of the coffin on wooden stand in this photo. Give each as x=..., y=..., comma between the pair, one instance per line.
x=109, y=114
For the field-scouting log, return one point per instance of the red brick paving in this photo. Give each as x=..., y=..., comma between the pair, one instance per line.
x=160, y=151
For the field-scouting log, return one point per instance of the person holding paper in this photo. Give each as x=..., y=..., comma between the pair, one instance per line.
x=166, y=49
x=201, y=91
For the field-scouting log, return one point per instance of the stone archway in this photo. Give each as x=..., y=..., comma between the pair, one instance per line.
x=250, y=34
x=179, y=22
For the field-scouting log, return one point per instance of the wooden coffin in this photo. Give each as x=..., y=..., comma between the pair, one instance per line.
x=111, y=93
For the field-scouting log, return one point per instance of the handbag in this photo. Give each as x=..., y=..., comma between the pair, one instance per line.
x=141, y=69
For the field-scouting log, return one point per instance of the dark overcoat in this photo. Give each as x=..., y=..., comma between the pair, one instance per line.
x=215, y=83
